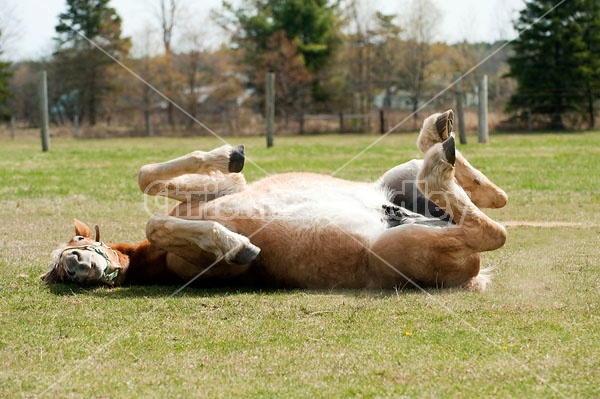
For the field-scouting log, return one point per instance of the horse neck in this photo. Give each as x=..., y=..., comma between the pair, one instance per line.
x=147, y=264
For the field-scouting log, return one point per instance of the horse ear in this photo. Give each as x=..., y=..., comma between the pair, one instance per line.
x=81, y=229
x=52, y=276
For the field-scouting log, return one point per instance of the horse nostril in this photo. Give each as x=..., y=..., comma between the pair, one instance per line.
x=77, y=254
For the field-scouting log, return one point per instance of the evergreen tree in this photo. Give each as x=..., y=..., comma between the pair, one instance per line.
x=82, y=68
x=6, y=93
x=555, y=62
x=590, y=68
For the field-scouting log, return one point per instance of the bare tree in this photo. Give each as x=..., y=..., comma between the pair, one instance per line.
x=10, y=27
x=191, y=66
x=361, y=71
x=168, y=13
x=146, y=93
x=420, y=29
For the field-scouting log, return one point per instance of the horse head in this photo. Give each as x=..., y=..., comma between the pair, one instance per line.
x=85, y=260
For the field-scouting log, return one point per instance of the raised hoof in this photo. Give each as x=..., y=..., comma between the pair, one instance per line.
x=444, y=123
x=236, y=159
x=245, y=255
x=450, y=150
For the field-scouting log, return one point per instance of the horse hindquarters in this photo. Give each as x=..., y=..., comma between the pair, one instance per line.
x=422, y=256
x=433, y=256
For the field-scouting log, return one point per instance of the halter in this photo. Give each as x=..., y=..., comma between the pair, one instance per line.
x=98, y=248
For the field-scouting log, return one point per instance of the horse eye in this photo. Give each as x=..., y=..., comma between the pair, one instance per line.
x=477, y=181
x=78, y=238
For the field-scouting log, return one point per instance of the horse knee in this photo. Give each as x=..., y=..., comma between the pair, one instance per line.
x=157, y=230
x=145, y=181
x=495, y=237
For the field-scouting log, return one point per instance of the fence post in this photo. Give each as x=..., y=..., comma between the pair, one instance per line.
x=341, y=122
x=381, y=122
x=270, y=107
x=482, y=128
x=76, y=125
x=462, y=135
x=43, y=97
x=13, y=127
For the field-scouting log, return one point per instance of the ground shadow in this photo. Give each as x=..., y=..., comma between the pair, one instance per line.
x=166, y=291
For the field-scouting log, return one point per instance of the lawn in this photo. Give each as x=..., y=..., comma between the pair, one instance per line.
x=534, y=333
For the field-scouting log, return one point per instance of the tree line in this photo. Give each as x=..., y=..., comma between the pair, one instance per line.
x=328, y=57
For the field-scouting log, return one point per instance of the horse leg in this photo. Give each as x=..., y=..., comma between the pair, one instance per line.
x=433, y=256
x=191, y=239
x=195, y=188
x=485, y=194
x=200, y=173
x=436, y=129
x=401, y=183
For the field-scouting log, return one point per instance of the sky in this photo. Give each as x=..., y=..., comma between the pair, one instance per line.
x=31, y=22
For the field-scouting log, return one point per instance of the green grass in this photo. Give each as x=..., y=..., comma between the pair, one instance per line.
x=534, y=333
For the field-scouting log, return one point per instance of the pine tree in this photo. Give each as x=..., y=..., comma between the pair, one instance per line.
x=555, y=61
x=6, y=93
x=81, y=66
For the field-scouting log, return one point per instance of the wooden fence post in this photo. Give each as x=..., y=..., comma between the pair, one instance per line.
x=43, y=97
x=270, y=107
x=462, y=134
x=76, y=126
x=482, y=127
x=13, y=127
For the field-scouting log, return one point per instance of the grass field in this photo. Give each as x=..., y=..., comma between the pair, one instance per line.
x=534, y=333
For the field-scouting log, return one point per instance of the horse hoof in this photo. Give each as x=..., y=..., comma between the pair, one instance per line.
x=443, y=124
x=450, y=150
x=245, y=255
x=236, y=159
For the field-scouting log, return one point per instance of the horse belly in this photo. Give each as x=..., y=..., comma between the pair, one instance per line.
x=310, y=256
x=313, y=233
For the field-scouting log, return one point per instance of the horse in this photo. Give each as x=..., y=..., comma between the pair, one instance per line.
x=419, y=225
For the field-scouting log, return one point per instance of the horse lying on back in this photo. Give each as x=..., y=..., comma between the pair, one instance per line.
x=419, y=224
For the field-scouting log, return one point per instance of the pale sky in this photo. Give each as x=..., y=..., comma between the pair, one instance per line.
x=32, y=22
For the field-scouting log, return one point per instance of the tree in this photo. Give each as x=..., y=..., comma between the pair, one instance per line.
x=387, y=44
x=555, y=62
x=590, y=68
x=8, y=32
x=6, y=93
x=360, y=57
x=25, y=84
x=423, y=18
x=293, y=83
x=82, y=69
x=167, y=16
x=312, y=26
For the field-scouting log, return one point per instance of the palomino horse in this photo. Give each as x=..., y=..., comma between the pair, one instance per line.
x=302, y=229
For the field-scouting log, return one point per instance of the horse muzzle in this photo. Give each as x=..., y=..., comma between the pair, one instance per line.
x=81, y=265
